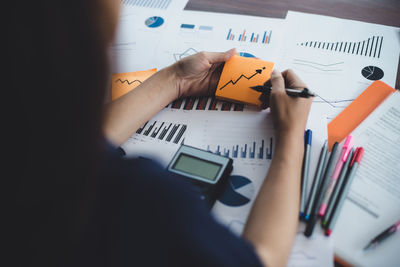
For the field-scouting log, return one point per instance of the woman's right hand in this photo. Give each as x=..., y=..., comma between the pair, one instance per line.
x=289, y=113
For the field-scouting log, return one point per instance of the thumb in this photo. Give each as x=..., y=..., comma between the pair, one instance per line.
x=277, y=81
x=219, y=57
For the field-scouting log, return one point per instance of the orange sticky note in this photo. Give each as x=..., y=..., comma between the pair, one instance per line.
x=357, y=111
x=122, y=83
x=241, y=73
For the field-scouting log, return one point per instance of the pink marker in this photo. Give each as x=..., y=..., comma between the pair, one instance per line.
x=348, y=144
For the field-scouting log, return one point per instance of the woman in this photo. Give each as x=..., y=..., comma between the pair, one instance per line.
x=73, y=201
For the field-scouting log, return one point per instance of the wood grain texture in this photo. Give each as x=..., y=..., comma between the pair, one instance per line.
x=386, y=12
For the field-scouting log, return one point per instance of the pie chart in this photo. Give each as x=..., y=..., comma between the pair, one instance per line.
x=245, y=54
x=372, y=73
x=154, y=22
x=238, y=191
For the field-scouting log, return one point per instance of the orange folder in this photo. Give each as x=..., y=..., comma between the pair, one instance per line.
x=357, y=111
x=122, y=83
x=238, y=75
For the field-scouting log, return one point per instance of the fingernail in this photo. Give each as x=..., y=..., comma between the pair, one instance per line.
x=275, y=72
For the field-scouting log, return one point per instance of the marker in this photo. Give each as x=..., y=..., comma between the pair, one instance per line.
x=305, y=92
x=317, y=178
x=304, y=177
x=355, y=162
x=336, y=190
x=382, y=236
x=348, y=144
x=320, y=193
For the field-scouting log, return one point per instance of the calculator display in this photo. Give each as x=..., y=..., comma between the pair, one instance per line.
x=196, y=166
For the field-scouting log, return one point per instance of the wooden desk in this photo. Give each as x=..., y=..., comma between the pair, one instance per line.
x=385, y=12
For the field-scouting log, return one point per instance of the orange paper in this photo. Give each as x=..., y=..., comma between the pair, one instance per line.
x=241, y=73
x=357, y=111
x=122, y=83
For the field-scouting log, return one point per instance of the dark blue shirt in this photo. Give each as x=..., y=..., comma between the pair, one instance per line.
x=145, y=216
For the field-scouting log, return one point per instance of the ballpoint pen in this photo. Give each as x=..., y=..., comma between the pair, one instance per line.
x=348, y=144
x=305, y=92
x=382, y=236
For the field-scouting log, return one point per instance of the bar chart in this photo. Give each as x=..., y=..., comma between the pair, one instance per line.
x=156, y=4
x=163, y=131
x=205, y=103
x=254, y=150
x=252, y=37
x=370, y=47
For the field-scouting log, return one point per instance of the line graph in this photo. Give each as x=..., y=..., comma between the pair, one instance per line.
x=258, y=71
x=188, y=52
x=128, y=82
x=332, y=67
x=333, y=103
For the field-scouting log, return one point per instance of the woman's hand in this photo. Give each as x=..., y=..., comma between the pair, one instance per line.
x=198, y=74
x=289, y=113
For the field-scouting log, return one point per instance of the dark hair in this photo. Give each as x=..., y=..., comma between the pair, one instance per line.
x=55, y=80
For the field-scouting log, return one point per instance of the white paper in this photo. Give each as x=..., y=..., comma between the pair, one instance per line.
x=194, y=31
x=227, y=131
x=314, y=47
x=373, y=203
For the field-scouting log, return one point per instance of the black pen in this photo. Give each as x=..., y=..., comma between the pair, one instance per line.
x=320, y=193
x=336, y=190
x=317, y=179
x=305, y=92
x=344, y=190
x=382, y=236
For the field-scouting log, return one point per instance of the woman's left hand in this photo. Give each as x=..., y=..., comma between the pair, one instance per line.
x=198, y=74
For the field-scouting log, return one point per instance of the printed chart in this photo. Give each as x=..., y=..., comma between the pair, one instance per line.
x=154, y=22
x=205, y=103
x=253, y=150
x=253, y=37
x=164, y=131
x=238, y=191
x=368, y=48
x=156, y=4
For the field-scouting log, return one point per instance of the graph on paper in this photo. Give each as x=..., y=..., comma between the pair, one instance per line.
x=238, y=191
x=370, y=47
x=260, y=149
x=204, y=103
x=188, y=52
x=251, y=37
x=322, y=67
x=162, y=131
x=157, y=4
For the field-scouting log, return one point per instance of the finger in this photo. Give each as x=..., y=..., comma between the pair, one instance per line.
x=219, y=57
x=277, y=81
x=292, y=80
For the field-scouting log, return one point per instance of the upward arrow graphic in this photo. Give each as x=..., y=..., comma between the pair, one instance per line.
x=258, y=71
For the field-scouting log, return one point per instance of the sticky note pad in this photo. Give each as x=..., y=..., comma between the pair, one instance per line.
x=357, y=111
x=122, y=83
x=238, y=75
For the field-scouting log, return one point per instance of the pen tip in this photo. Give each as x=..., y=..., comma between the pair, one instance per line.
x=328, y=232
x=367, y=247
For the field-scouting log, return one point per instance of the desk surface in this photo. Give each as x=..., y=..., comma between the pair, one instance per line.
x=382, y=12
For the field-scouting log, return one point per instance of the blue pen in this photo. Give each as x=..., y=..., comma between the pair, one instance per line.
x=304, y=178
